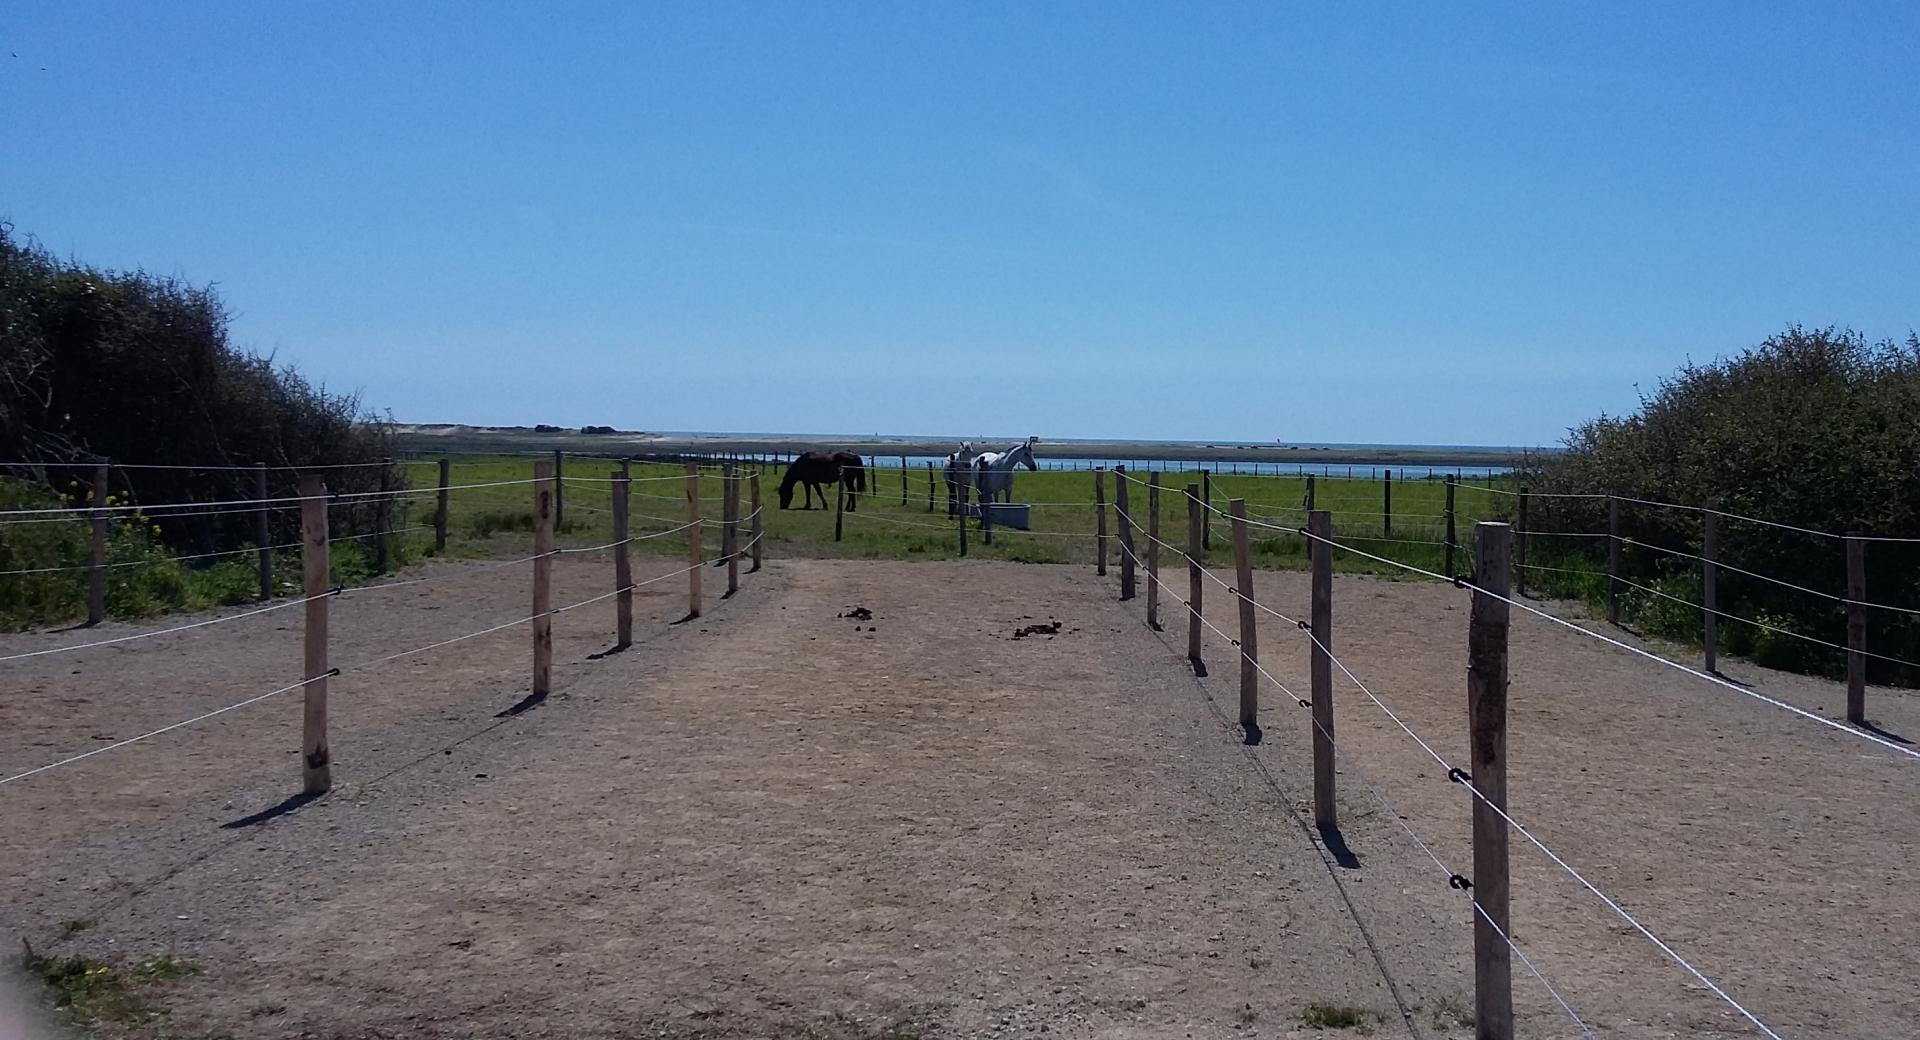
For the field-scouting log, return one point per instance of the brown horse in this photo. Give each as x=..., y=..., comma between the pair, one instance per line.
x=816, y=469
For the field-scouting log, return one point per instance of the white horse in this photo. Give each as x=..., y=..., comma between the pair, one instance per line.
x=993, y=470
x=958, y=471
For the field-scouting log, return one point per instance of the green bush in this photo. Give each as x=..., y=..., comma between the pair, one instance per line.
x=1813, y=429
x=99, y=365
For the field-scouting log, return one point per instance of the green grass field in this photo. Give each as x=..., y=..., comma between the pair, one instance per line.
x=497, y=520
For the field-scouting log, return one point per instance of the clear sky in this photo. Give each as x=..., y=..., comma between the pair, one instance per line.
x=1323, y=222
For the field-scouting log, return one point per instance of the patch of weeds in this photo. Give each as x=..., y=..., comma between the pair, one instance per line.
x=84, y=988
x=1334, y=1016
x=75, y=926
x=91, y=991
x=1451, y=1014
x=164, y=966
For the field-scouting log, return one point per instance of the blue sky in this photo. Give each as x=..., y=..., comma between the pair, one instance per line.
x=1327, y=222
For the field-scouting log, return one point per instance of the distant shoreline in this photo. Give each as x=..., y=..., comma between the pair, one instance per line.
x=427, y=439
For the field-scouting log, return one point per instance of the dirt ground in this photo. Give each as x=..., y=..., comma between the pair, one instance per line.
x=774, y=821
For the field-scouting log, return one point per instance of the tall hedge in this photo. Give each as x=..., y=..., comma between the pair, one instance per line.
x=128, y=367
x=1818, y=429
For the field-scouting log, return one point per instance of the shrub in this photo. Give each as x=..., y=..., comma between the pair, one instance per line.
x=1813, y=429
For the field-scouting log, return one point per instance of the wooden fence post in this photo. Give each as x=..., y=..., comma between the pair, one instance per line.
x=1206, y=517
x=97, y=550
x=1521, y=538
x=1153, y=550
x=1487, y=768
x=1196, y=537
x=440, y=510
x=1386, y=505
x=693, y=539
x=1856, y=629
x=1709, y=589
x=839, y=504
x=559, y=490
x=262, y=533
x=1125, y=516
x=622, y=561
x=962, y=491
x=730, y=531
x=383, y=517
x=316, y=757
x=758, y=527
x=1249, y=625
x=1308, y=506
x=1320, y=527
x=545, y=496
x=929, y=487
x=986, y=517
x=1613, y=560
x=903, y=482
x=1100, y=521
x=1450, y=526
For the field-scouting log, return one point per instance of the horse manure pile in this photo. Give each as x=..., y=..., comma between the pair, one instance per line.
x=1051, y=628
x=859, y=614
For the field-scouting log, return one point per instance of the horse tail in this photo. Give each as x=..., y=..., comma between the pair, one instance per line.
x=860, y=477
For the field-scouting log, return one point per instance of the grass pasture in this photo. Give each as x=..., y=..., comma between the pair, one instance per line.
x=484, y=521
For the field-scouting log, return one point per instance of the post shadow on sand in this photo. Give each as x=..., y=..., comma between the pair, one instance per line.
x=525, y=704
x=1336, y=845
x=274, y=812
x=1883, y=734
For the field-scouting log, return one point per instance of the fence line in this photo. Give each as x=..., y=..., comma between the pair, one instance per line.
x=1453, y=878
x=1649, y=655
x=1457, y=775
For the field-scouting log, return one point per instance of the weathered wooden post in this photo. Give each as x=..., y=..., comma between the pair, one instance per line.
x=759, y=526
x=1122, y=514
x=262, y=534
x=1153, y=550
x=1521, y=538
x=730, y=528
x=929, y=487
x=1386, y=505
x=622, y=561
x=693, y=539
x=839, y=504
x=545, y=495
x=1308, y=505
x=1320, y=528
x=1449, y=567
x=1249, y=625
x=1709, y=589
x=1206, y=517
x=559, y=490
x=440, y=510
x=1196, y=538
x=316, y=757
x=383, y=517
x=1487, y=726
x=97, y=550
x=1100, y=521
x=903, y=482
x=1613, y=560
x=1856, y=629
x=962, y=491
x=986, y=518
